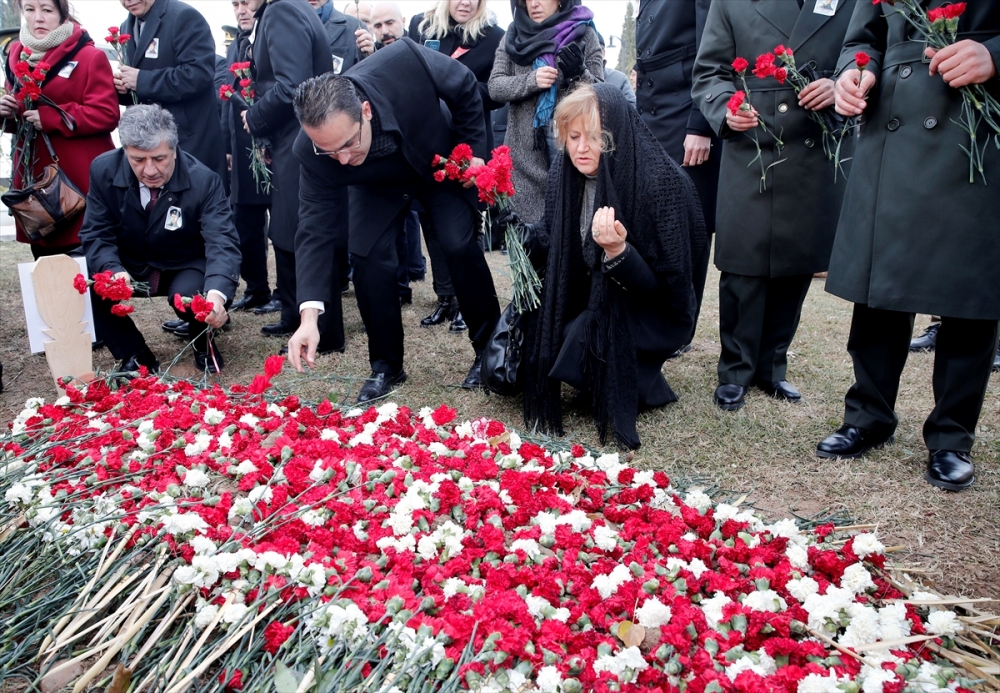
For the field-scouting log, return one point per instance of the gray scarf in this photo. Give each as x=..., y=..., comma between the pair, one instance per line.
x=39, y=47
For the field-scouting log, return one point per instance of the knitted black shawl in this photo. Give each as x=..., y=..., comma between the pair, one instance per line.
x=657, y=203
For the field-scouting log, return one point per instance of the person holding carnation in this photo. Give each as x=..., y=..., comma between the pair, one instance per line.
x=78, y=83
x=622, y=223
x=778, y=202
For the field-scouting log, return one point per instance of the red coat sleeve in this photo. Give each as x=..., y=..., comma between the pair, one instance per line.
x=94, y=105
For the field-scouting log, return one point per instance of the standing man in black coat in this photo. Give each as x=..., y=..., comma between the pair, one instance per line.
x=667, y=36
x=377, y=129
x=171, y=62
x=342, y=31
x=290, y=47
x=250, y=201
x=931, y=245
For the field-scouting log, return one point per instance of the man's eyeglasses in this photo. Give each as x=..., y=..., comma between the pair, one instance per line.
x=357, y=143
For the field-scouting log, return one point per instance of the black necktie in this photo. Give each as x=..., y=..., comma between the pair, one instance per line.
x=154, y=195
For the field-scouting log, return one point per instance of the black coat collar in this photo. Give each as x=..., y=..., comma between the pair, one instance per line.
x=138, y=45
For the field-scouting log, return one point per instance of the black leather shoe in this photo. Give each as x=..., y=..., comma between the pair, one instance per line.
x=210, y=360
x=279, y=329
x=458, y=323
x=174, y=325
x=950, y=470
x=780, y=390
x=249, y=302
x=474, y=380
x=850, y=442
x=927, y=340
x=143, y=357
x=380, y=385
x=729, y=396
x=272, y=306
x=444, y=311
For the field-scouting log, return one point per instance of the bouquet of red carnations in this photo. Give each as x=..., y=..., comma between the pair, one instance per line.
x=247, y=95
x=29, y=92
x=118, y=41
x=115, y=289
x=740, y=101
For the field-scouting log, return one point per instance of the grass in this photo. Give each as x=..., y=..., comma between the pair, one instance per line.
x=766, y=450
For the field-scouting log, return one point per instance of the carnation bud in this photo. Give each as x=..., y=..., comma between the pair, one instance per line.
x=673, y=667
x=549, y=658
x=636, y=569
x=211, y=501
x=547, y=540
x=443, y=669
x=394, y=605
x=739, y=622
x=571, y=686
x=651, y=586
x=369, y=504
x=174, y=491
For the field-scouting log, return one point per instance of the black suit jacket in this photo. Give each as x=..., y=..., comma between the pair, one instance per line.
x=181, y=76
x=343, y=43
x=430, y=103
x=118, y=234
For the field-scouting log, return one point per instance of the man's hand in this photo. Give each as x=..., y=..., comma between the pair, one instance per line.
x=742, y=120
x=125, y=276
x=366, y=44
x=608, y=232
x=217, y=318
x=305, y=341
x=475, y=161
x=545, y=77
x=851, y=90
x=818, y=94
x=696, y=150
x=963, y=63
x=246, y=127
x=128, y=77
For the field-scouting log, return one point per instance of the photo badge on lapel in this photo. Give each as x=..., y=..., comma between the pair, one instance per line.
x=68, y=69
x=338, y=64
x=826, y=7
x=153, y=51
x=174, y=220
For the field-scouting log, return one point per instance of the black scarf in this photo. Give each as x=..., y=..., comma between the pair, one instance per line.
x=527, y=39
x=657, y=203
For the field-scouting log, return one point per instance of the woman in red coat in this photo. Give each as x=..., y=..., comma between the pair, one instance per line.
x=79, y=81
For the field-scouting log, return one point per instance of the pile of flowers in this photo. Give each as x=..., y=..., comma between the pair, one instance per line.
x=251, y=542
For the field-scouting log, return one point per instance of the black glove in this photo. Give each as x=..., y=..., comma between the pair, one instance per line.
x=506, y=217
x=569, y=60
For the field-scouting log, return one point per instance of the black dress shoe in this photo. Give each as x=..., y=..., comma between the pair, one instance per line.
x=272, y=306
x=781, y=389
x=174, y=325
x=458, y=323
x=210, y=360
x=850, y=442
x=950, y=470
x=143, y=357
x=279, y=329
x=249, y=302
x=474, y=380
x=380, y=385
x=729, y=396
x=446, y=308
x=927, y=340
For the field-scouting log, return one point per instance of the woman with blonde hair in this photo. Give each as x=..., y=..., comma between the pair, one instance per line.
x=621, y=224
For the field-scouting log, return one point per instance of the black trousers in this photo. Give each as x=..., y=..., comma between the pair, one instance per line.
x=699, y=275
x=439, y=266
x=251, y=225
x=331, y=322
x=758, y=317
x=123, y=338
x=963, y=359
x=375, y=276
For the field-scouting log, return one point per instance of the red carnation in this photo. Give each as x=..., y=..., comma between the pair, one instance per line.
x=779, y=49
x=861, y=59
x=275, y=636
x=439, y=175
x=202, y=307
x=113, y=30
x=765, y=66
x=954, y=11
x=180, y=303
x=737, y=101
x=124, y=38
x=740, y=65
x=443, y=414
x=226, y=92
x=80, y=283
x=780, y=74
x=122, y=309
x=461, y=153
x=273, y=365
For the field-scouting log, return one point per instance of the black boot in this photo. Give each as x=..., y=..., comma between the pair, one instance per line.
x=446, y=309
x=458, y=323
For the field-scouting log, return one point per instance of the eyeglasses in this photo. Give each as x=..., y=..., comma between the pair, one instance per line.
x=319, y=152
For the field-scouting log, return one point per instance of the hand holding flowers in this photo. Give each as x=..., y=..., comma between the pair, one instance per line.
x=126, y=78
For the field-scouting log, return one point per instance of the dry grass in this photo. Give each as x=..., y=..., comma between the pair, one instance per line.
x=766, y=449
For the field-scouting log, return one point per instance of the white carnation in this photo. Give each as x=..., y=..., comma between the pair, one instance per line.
x=815, y=683
x=206, y=614
x=213, y=416
x=867, y=544
x=797, y=556
x=864, y=627
x=246, y=467
x=873, y=679
x=608, y=584
x=713, y=609
x=857, y=579
x=529, y=546
x=548, y=679
x=802, y=588
x=653, y=613
x=698, y=500
x=765, y=600
x=605, y=538
x=892, y=619
x=249, y=419
x=196, y=478
x=234, y=613
x=625, y=664
x=944, y=623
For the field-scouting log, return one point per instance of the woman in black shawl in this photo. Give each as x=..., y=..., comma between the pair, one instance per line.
x=622, y=222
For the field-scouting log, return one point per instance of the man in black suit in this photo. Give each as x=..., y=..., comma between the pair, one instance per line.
x=377, y=129
x=156, y=214
x=171, y=62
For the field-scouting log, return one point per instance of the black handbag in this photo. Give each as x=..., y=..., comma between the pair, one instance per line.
x=503, y=356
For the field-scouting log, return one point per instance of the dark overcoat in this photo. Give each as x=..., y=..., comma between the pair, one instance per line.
x=290, y=47
x=429, y=103
x=118, y=234
x=787, y=229
x=175, y=56
x=343, y=43
x=243, y=189
x=915, y=235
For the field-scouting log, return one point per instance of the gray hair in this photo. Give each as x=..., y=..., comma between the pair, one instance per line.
x=320, y=98
x=146, y=127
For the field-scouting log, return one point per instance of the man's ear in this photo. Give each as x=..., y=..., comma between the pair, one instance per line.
x=366, y=110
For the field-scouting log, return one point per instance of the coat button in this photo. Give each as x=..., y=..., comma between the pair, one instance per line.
x=406, y=197
x=905, y=71
x=640, y=111
x=650, y=20
x=810, y=143
x=930, y=123
x=649, y=51
x=649, y=83
x=893, y=124
x=782, y=108
x=652, y=111
x=708, y=96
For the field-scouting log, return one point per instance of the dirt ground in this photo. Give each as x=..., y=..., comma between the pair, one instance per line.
x=766, y=450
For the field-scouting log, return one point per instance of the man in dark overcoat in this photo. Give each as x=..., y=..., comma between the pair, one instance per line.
x=341, y=31
x=919, y=232
x=290, y=47
x=157, y=215
x=377, y=129
x=667, y=36
x=250, y=200
x=171, y=62
x=769, y=242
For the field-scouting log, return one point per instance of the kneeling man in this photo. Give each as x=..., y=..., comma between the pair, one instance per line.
x=157, y=215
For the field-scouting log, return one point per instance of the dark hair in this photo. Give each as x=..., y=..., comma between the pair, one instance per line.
x=319, y=98
x=61, y=5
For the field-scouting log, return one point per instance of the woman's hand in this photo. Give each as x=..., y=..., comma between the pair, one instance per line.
x=8, y=106
x=33, y=118
x=741, y=121
x=545, y=77
x=608, y=232
x=818, y=94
